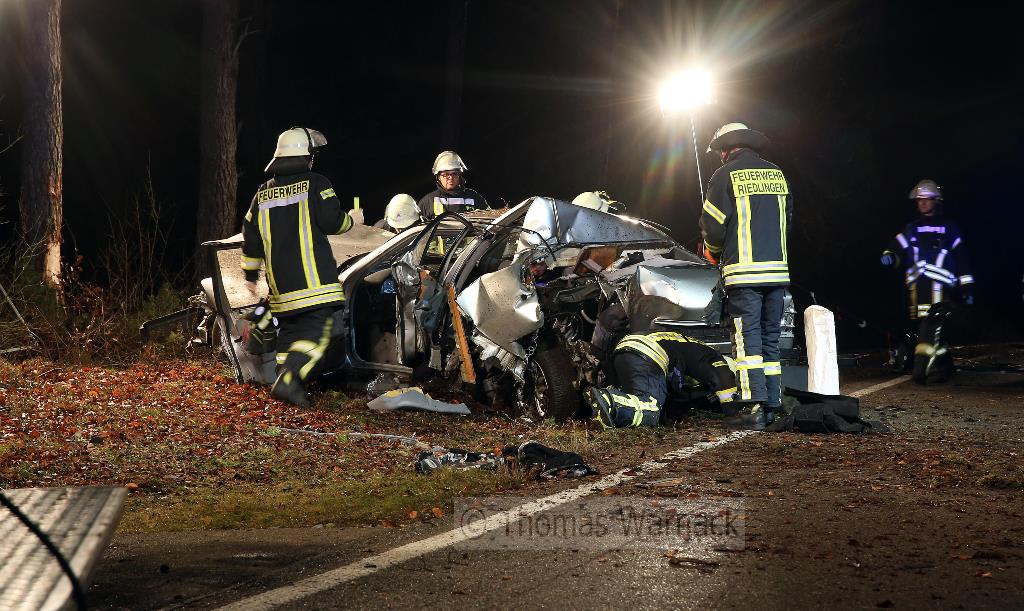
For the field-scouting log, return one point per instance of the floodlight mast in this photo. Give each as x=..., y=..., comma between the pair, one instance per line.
x=688, y=90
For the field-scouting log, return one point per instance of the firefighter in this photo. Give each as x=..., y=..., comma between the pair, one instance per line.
x=931, y=253
x=401, y=214
x=451, y=193
x=648, y=368
x=745, y=225
x=285, y=231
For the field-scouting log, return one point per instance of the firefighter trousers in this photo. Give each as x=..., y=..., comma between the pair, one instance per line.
x=756, y=313
x=642, y=390
x=302, y=341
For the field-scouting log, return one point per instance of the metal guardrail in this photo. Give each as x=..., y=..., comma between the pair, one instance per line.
x=79, y=521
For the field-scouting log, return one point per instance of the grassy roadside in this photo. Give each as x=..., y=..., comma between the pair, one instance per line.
x=198, y=451
x=385, y=500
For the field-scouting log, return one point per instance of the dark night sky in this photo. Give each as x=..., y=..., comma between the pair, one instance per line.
x=861, y=99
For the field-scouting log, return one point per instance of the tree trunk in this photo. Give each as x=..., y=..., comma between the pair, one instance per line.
x=218, y=137
x=42, y=167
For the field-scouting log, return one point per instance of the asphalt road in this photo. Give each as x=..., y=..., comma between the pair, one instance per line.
x=927, y=516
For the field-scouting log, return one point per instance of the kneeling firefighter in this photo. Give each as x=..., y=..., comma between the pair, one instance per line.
x=648, y=368
x=285, y=230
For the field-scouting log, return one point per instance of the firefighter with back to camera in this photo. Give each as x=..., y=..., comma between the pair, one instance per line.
x=285, y=232
x=745, y=225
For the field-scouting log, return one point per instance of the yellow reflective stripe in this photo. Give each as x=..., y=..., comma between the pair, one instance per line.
x=307, y=297
x=753, y=361
x=438, y=206
x=772, y=368
x=725, y=396
x=268, y=247
x=781, y=225
x=646, y=347
x=302, y=294
x=248, y=215
x=757, y=266
x=714, y=212
x=327, y=193
x=317, y=352
x=712, y=249
x=302, y=345
x=306, y=246
x=345, y=224
x=281, y=357
x=744, y=245
x=309, y=302
x=756, y=279
x=659, y=359
x=251, y=264
x=624, y=400
x=743, y=377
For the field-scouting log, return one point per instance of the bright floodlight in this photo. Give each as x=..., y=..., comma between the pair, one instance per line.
x=686, y=91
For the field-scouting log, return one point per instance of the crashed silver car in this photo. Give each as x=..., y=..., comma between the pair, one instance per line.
x=528, y=285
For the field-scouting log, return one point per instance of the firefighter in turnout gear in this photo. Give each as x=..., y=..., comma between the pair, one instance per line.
x=745, y=226
x=649, y=367
x=285, y=232
x=451, y=193
x=931, y=253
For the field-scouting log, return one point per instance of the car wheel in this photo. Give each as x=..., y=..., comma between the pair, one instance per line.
x=549, y=392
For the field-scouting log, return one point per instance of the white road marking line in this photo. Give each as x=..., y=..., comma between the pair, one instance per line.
x=272, y=599
x=877, y=387
x=372, y=564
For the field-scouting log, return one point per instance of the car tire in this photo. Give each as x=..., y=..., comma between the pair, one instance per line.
x=549, y=391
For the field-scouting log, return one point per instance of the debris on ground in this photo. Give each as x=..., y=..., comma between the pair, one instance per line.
x=548, y=463
x=689, y=562
x=535, y=459
x=455, y=458
x=414, y=398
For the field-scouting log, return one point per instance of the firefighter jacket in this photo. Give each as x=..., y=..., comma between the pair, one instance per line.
x=684, y=360
x=438, y=201
x=746, y=219
x=931, y=252
x=285, y=230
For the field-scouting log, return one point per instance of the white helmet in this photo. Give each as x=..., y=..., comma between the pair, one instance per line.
x=297, y=142
x=448, y=160
x=402, y=211
x=733, y=135
x=598, y=200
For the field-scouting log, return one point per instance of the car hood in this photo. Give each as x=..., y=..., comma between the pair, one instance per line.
x=556, y=223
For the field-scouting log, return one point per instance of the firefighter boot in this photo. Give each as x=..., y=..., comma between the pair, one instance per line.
x=751, y=418
x=602, y=408
x=288, y=388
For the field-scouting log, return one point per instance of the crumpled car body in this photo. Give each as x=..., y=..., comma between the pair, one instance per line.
x=529, y=284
